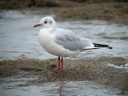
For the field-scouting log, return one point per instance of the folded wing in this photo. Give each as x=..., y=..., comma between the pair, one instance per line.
x=71, y=41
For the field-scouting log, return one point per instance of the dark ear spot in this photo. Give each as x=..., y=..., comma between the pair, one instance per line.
x=50, y=22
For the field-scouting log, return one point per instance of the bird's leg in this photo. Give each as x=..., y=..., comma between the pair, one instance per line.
x=60, y=66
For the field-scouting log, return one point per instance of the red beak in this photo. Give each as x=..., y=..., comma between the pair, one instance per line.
x=37, y=25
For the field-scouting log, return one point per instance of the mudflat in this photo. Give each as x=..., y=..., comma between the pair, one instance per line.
x=100, y=70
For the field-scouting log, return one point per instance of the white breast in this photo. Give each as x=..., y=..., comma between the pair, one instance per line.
x=47, y=42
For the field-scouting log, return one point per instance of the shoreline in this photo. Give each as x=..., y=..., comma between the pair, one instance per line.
x=105, y=70
x=95, y=70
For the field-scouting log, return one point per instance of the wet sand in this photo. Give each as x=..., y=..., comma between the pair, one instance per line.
x=96, y=70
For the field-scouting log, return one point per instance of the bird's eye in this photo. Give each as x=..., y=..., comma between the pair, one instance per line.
x=45, y=22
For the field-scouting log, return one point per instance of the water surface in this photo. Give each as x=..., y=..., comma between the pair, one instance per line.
x=18, y=38
x=60, y=88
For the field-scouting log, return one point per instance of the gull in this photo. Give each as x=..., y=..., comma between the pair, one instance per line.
x=62, y=42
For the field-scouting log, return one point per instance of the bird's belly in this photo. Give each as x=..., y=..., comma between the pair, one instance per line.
x=51, y=47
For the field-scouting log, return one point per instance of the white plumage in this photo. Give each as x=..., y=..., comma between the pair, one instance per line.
x=62, y=42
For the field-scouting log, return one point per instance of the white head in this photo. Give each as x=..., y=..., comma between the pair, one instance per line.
x=46, y=22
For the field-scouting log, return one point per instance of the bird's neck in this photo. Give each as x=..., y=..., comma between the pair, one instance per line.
x=53, y=28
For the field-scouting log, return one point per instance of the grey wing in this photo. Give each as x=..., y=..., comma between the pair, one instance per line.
x=70, y=41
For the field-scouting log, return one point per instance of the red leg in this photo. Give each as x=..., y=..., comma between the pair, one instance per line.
x=60, y=66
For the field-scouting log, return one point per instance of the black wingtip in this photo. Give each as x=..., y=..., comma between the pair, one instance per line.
x=102, y=45
x=110, y=47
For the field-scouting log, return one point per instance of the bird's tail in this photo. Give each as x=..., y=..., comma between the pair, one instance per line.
x=101, y=46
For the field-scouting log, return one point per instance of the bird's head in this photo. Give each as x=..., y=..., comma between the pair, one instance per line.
x=46, y=22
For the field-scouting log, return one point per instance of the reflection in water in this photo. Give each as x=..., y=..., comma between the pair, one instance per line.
x=19, y=38
x=60, y=88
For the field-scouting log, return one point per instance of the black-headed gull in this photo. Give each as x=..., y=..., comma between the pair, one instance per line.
x=62, y=42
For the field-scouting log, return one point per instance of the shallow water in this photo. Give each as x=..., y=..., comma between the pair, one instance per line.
x=16, y=87
x=18, y=38
x=125, y=66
